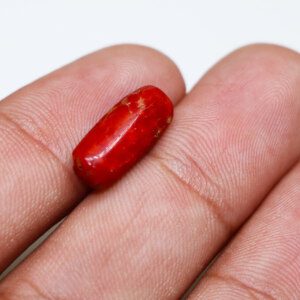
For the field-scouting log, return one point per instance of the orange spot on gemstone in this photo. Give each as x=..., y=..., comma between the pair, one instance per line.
x=141, y=104
x=78, y=164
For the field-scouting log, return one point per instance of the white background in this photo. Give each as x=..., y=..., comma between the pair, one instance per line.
x=37, y=37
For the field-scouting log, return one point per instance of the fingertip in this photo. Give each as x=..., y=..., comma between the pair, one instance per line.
x=146, y=62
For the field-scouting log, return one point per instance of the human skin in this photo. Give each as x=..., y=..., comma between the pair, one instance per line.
x=224, y=176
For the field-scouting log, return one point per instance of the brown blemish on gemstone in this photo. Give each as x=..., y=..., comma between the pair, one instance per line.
x=157, y=134
x=141, y=103
x=125, y=101
x=78, y=164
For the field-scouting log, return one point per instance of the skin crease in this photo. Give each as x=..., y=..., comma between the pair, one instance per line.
x=234, y=144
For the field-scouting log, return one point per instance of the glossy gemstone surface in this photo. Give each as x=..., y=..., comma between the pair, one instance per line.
x=122, y=137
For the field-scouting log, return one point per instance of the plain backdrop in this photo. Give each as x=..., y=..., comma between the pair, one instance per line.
x=37, y=37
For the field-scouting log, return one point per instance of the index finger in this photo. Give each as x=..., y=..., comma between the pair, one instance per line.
x=41, y=124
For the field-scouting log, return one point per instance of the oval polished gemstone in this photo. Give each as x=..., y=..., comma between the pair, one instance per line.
x=122, y=137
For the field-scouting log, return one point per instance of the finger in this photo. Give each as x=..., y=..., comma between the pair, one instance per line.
x=262, y=262
x=153, y=232
x=41, y=124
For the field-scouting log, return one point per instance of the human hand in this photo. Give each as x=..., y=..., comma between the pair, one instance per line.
x=234, y=144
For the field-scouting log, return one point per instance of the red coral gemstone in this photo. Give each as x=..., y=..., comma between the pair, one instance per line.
x=125, y=134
